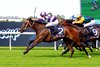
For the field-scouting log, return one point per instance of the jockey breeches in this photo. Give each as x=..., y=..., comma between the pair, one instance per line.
x=52, y=23
x=92, y=22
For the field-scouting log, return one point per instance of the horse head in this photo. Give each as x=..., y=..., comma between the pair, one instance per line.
x=32, y=23
x=65, y=22
x=28, y=23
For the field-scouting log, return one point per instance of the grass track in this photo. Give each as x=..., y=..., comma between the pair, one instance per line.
x=47, y=57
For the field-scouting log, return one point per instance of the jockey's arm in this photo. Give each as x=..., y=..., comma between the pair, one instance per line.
x=42, y=20
x=79, y=21
x=35, y=19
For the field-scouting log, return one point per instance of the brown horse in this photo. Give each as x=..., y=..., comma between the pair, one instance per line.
x=44, y=35
x=81, y=31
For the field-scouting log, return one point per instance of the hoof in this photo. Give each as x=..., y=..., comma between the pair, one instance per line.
x=62, y=54
x=70, y=57
x=89, y=56
x=24, y=53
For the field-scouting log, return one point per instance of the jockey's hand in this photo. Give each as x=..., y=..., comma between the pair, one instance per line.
x=84, y=25
x=73, y=22
x=35, y=19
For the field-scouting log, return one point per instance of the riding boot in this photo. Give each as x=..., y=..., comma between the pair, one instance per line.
x=53, y=30
x=89, y=30
x=94, y=32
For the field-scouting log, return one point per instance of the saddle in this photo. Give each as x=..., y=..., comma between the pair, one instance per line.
x=56, y=30
x=91, y=32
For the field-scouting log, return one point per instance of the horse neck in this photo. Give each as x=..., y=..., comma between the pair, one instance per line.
x=73, y=26
x=38, y=26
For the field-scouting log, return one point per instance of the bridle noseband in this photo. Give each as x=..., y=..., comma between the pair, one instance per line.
x=28, y=22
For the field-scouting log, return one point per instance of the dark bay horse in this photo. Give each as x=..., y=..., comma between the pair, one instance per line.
x=44, y=35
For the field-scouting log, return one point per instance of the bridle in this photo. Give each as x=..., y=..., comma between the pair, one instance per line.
x=28, y=23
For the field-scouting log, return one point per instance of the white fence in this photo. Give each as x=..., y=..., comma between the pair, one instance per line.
x=28, y=33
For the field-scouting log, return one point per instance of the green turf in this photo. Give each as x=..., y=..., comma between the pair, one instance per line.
x=47, y=57
x=86, y=9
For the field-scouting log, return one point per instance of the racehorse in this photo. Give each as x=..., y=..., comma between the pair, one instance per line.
x=44, y=35
x=82, y=32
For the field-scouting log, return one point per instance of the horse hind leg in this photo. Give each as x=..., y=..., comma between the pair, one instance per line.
x=68, y=43
x=83, y=48
x=71, y=49
x=86, y=52
x=90, y=48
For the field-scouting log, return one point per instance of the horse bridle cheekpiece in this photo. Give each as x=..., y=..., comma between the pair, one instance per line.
x=28, y=22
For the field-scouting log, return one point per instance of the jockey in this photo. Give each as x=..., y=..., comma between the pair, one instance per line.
x=95, y=5
x=86, y=22
x=51, y=20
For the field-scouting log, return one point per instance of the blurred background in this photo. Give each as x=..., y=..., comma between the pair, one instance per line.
x=12, y=13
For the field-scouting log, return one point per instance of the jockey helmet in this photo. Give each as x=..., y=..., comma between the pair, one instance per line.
x=78, y=16
x=73, y=17
x=43, y=14
x=50, y=14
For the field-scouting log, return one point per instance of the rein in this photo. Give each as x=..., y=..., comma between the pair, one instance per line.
x=29, y=24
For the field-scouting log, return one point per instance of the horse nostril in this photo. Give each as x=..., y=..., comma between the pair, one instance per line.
x=20, y=31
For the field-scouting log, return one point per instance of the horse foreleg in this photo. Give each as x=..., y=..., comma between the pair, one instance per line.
x=65, y=51
x=86, y=52
x=28, y=45
x=33, y=44
x=30, y=42
x=88, y=46
x=71, y=49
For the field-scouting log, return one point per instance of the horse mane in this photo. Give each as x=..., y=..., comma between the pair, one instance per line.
x=31, y=19
x=40, y=22
x=69, y=21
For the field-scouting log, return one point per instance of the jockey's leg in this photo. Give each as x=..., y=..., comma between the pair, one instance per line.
x=92, y=32
x=52, y=26
x=89, y=30
x=52, y=23
x=89, y=25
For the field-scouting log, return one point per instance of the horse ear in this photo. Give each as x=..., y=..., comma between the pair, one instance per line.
x=25, y=20
x=34, y=19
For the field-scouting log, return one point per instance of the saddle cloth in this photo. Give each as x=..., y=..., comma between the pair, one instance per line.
x=57, y=30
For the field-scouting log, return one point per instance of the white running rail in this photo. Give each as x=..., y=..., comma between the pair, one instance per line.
x=11, y=33
x=28, y=33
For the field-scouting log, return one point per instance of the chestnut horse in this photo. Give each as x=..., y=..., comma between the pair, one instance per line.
x=81, y=30
x=82, y=33
x=43, y=34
